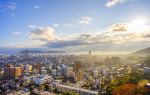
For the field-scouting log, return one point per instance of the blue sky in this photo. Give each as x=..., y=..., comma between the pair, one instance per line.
x=74, y=25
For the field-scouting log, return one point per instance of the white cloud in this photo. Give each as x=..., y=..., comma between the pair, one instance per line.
x=69, y=25
x=55, y=25
x=85, y=20
x=12, y=6
x=11, y=14
x=118, y=27
x=118, y=33
x=16, y=33
x=43, y=33
x=111, y=3
x=37, y=7
x=32, y=26
x=9, y=8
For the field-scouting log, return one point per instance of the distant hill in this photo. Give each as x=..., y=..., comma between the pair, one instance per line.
x=145, y=51
x=11, y=51
x=32, y=51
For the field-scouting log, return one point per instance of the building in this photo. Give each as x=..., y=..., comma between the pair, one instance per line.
x=28, y=68
x=67, y=71
x=18, y=71
x=146, y=70
x=43, y=70
x=38, y=67
x=78, y=71
x=116, y=60
x=54, y=72
x=79, y=75
x=76, y=66
x=12, y=72
x=147, y=88
x=42, y=79
x=90, y=52
x=30, y=79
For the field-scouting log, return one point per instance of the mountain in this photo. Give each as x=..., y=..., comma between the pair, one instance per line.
x=145, y=51
x=37, y=51
x=11, y=51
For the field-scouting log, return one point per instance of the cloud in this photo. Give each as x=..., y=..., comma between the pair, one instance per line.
x=8, y=6
x=12, y=6
x=32, y=26
x=43, y=33
x=118, y=34
x=114, y=34
x=12, y=14
x=16, y=33
x=93, y=39
x=85, y=20
x=111, y=3
x=37, y=7
x=69, y=25
x=77, y=40
x=119, y=27
x=55, y=25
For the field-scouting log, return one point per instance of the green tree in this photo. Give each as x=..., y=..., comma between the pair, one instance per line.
x=110, y=88
x=134, y=77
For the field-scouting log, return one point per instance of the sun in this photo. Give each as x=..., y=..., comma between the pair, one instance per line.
x=138, y=24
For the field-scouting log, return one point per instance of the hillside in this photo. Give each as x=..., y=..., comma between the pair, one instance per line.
x=145, y=51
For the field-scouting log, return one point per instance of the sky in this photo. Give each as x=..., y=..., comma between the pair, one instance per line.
x=103, y=26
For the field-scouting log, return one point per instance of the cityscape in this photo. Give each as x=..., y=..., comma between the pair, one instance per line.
x=74, y=47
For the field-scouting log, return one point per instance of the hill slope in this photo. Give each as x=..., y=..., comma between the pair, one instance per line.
x=145, y=51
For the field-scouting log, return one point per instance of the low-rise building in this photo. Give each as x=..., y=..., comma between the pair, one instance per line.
x=42, y=79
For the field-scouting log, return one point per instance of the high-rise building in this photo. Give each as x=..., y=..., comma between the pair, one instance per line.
x=28, y=68
x=90, y=52
x=77, y=66
x=79, y=75
x=116, y=60
x=78, y=71
x=38, y=67
x=17, y=71
x=12, y=72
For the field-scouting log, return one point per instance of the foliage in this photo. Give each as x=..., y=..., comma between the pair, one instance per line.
x=46, y=87
x=110, y=88
x=134, y=77
x=125, y=89
x=69, y=93
x=141, y=84
x=147, y=61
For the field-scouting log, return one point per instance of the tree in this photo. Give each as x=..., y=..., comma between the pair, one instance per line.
x=123, y=80
x=125, y=89
x=134, y=77
x=47, y=87
x=110, y=88
x=141, y=84
x=69, y=93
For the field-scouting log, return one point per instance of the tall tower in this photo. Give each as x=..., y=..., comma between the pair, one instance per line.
x=90, y=52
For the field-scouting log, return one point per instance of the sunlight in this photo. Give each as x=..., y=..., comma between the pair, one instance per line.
x=138, y=24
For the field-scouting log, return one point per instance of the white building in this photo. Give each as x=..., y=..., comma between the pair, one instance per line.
x=30, y=79
x=146, y=70
x=43, y=70
x=28, y=68
x=54, y=72
x=67, y=71
x=42, y=79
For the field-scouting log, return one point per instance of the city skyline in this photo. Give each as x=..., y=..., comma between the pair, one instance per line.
x=107, y=26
